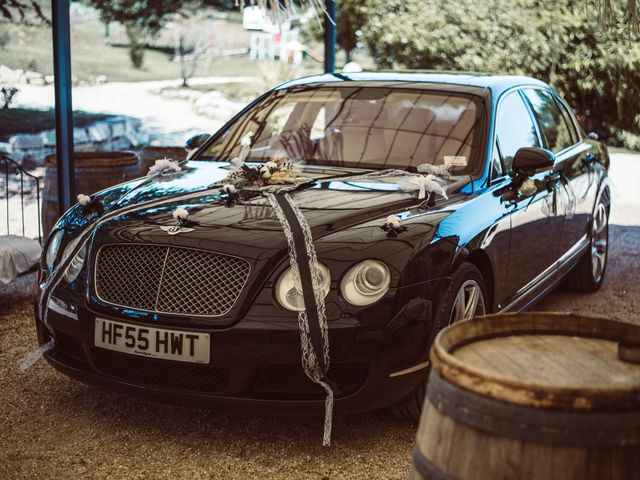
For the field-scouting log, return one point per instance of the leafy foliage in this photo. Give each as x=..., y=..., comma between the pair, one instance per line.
x=562, y=42
x=22, y=11
x=8, y=93
x=142, y=20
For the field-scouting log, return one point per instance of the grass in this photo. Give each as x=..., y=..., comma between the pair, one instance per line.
x=236, y=91
x=267, y=74
x=25, y=120
x=30, y=48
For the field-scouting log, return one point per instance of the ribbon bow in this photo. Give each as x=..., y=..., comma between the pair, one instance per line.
x=427, y=184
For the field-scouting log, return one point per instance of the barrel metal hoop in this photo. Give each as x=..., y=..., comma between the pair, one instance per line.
x=426, y=469
x=543, y=426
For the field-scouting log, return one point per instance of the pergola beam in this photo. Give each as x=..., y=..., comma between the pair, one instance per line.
x=64, y=110
x=330, y=36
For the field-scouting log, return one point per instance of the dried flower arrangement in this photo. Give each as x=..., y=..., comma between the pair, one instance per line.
x=278, y=170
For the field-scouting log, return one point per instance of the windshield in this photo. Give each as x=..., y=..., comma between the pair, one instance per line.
x=366, y=127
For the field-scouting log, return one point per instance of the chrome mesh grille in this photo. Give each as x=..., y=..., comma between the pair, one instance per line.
x=169, y=279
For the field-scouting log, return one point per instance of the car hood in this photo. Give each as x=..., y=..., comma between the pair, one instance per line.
x=345, y=216
x=328, y=203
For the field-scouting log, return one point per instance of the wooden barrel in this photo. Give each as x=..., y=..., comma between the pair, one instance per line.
x=149, y=155
x=94, y=171
x=532, y=396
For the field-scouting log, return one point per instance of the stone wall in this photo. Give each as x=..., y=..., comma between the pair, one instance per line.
x=116, y=133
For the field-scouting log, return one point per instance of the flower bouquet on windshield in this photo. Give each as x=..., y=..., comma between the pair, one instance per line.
x=279, y=170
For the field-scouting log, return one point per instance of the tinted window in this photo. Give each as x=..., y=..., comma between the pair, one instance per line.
x=361, y=127
x=496, y=163
x=568, y=119
x=554, y=128
x=514, y=128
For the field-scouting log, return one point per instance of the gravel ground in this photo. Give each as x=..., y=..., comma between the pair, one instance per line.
x=53, y=427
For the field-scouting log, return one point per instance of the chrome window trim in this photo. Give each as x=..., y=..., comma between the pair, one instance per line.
x=561, y=105
x=494, y=121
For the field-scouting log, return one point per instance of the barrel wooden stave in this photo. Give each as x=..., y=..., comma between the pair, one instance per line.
x=484, y=419
x=94, y=171
x=453, y=450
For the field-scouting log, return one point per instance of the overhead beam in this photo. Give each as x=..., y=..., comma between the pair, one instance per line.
x=330, y=36
x=64, y=110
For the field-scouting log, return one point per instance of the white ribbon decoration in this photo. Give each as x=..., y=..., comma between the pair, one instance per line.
x=424, y=184
x=394, y=221
x=180, y=214
x=164, y=166
x=84, y=200
x=245, y=144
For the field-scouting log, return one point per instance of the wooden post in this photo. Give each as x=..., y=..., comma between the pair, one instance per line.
x=64, y=111
x=330, y=36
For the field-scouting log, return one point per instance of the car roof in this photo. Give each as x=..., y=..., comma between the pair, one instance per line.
x=496, y=83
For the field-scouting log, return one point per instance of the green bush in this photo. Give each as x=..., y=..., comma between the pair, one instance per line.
x=561, y=42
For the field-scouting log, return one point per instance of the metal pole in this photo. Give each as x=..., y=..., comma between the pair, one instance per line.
x=330, y=36
x=64, y=111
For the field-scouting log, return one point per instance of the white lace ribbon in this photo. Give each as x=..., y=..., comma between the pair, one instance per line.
x=28, y=360
x=310, y=363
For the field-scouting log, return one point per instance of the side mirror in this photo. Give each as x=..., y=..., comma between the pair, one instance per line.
x=531, y=160
x=195, y=142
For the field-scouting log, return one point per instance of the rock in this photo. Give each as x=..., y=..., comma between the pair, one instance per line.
x=118, y=127
x=27, y=148
x=99, y=132
x=9, y=76
x=34, y=78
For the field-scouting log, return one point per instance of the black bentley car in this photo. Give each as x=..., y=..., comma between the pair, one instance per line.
x=179, y=286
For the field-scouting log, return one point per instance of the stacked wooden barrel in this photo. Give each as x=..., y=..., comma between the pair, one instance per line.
x=94, y=171
x=532, y=396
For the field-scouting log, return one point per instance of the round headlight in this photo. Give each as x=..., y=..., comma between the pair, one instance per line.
x=366, y=283
x=73, y=270
x=289, y=294
x=53, y=248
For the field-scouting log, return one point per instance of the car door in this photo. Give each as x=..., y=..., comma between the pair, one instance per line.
x=535, y=226
x=560, y=136
x=579, y=170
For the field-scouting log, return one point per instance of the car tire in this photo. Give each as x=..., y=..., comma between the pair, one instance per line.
x=467, y=275
x=588, y=274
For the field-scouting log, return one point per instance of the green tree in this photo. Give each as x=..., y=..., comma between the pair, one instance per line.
x=142, y=20
x=560, y=41
x=22, y=11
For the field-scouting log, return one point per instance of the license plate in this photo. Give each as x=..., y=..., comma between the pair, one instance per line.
x=152, y=342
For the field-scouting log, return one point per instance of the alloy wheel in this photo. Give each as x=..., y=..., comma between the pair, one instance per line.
x=468, y=303
x=599, y=239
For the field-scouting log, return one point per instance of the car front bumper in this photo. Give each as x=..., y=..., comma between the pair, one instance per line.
x=254, y=367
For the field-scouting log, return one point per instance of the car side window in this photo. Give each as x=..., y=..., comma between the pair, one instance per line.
x=554, y=127
x=514, y=128
x=568, y=119
x=496, y=163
